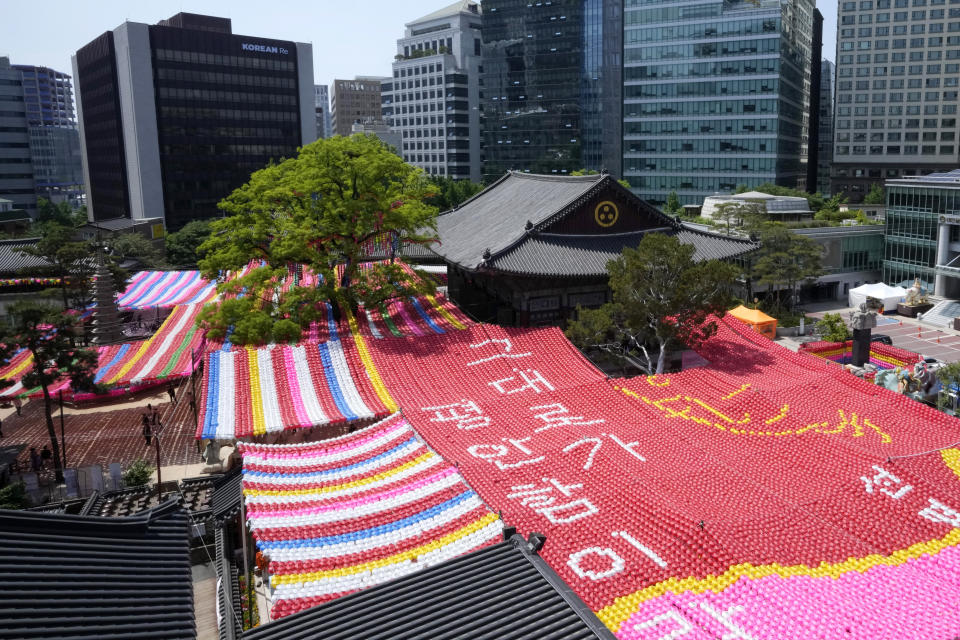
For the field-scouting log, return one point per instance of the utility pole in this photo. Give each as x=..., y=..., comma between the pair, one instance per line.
x=251, y=600
x=156, y=443
x=193, y=395
x=63, y=441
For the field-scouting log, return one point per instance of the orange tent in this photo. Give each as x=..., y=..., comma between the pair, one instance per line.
x=761, y=322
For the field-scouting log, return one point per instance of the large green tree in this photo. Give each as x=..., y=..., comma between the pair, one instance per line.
x=47, y=332
x=784, y=261
x=60, y=213
x=662, y=299
x=125, y=246
x=452, y=193
x=183, y=246
x=327, y=209
x=68, y=259
x=747, y=214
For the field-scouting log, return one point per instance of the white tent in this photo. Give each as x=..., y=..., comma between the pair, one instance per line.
x=888, y=295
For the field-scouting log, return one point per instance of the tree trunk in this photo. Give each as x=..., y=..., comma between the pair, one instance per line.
x=51, y=430
x=662, y=357
x=63, y=289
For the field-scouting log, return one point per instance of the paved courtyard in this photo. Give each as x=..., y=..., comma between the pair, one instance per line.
x=909, y=334
x=100, y=436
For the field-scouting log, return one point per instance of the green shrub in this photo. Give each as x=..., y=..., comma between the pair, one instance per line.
x=833, y=329
x=138, y=473
x=14, y=496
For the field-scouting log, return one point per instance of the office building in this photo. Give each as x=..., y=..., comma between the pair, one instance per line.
x=810, y=145
x=54, y=137
x=175, y=116
x=48, y=96
x=922, y=232
x=825, y=158
x=387, y=135
x=716, y=95
x=322, y=105
x=433, y=99
x=355, y=101
x=16, y=165
x=551, y=86
x=898, y=74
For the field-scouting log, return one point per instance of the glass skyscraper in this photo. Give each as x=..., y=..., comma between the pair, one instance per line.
x=898, y=77
x=54, y=137
x=825, y=159
x=716, y=94
x=551, y=83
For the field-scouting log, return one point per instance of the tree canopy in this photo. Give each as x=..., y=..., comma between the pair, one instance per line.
x=452, y=193
x=124, y=246
x=748, y=214
x=784, y=261
x=876, y=195
x=60, y=213
x=48, y=333
x=183, y=246
x=328, y=209
x=662, y=299
x=68, y=258
x=673, y=206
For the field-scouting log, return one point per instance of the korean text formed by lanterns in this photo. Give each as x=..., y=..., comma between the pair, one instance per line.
x=728, y=501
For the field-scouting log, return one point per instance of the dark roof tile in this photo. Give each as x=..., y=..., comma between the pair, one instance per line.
x=227, y=493
x=554, y=255
x=502, y=591
x=11, y=262
x=88, y=578
x=507, y=219
x=494, y=219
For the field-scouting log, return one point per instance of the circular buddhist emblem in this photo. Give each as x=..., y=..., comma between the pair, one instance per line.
x=606, y=214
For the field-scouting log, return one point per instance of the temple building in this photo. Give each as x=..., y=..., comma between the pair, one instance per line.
x=529, y=249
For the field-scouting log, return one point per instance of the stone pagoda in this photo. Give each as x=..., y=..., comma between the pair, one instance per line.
x=106, y=324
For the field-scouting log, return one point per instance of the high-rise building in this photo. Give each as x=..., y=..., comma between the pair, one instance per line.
x=551, y=86
x=48, y=95
x=16, y=166
x=810, y=147
x=825, y=158
x=322, y=104
x=716, y=95
x=355, y=101
x=388, y=136
x=54, y=137
x=433, y=99
x=898, y=75
x=175, y=116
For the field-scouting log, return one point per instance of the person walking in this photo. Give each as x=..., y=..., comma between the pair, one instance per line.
x=45, y=454
x=155, y=418
x=34, y=459
x=147, y=431
x=1, y=427
x=171, y=392
x=17, y=404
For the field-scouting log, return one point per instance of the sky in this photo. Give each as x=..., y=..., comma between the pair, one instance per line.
x=349, y=38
